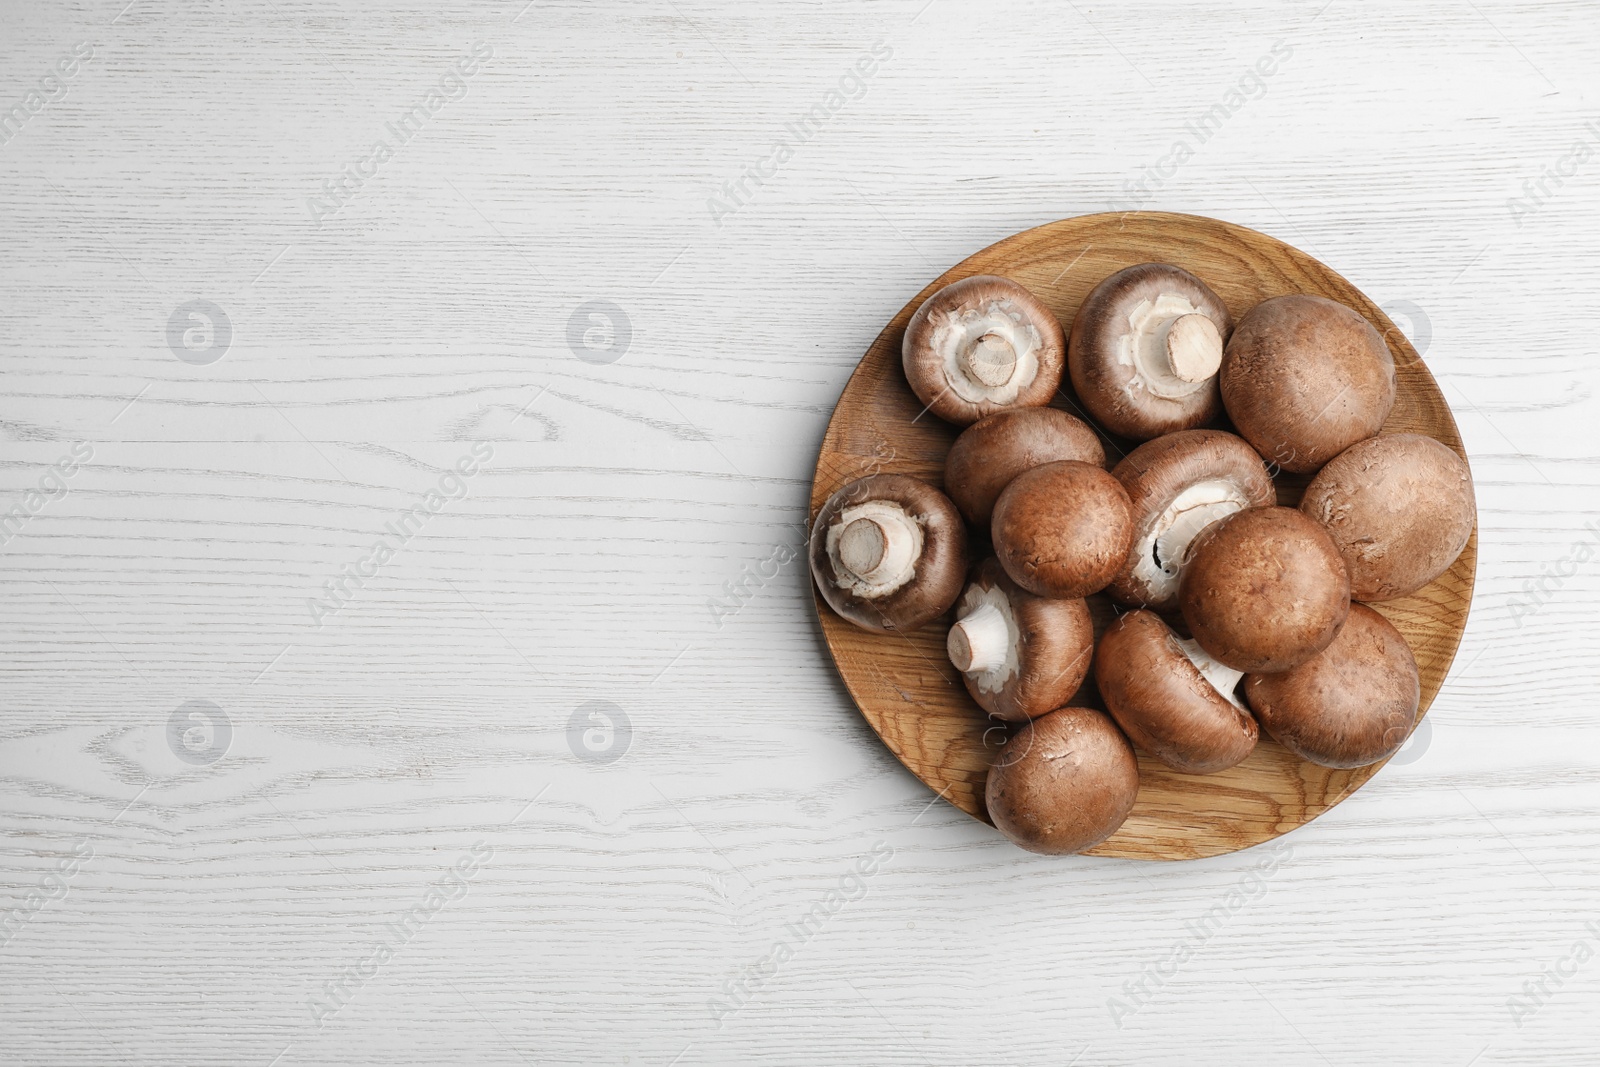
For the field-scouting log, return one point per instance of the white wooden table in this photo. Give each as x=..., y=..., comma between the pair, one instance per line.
x=249, y=821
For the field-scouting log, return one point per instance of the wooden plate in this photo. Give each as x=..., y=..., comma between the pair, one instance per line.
x=906, y=687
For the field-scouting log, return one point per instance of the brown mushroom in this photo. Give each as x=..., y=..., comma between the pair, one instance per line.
x=1400, y=509
x=1062, y=529
x=1063, y=783
x=1352, y=704
x=1264, y=590
x=1145, y=348
x=1171, y=698
x=1304, y=378
x=982, y=345
x=889, y=552
x=1178, y=485
x=1021, y=655
x=992, y=451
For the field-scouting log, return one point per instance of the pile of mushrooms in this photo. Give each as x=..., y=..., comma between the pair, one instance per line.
x=1234, y=615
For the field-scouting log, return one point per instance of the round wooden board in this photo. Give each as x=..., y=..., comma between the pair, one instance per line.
x=907, y=689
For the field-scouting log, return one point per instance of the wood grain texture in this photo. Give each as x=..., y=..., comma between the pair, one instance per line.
x=904, y=684
x=370, y=353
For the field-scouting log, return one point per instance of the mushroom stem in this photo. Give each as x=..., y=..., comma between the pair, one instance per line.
x=991, y=360
x=977, y=642
x=878, y=550
x=1194, y=347
x=1221, y=677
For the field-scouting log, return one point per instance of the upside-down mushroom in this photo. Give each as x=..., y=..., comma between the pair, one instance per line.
x=1145, y=348
x=889, y=552
x=982, y=345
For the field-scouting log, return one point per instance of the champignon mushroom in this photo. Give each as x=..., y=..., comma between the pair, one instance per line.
x=1264, y=590
x=982, y=345
x=1063, y=783
x=888, y=552
x=992, y=451
x=1400, y=509
x=1178, y=485
x=1062, y=529
x=1171, y=698
x=1304, y=378
x=1145, y=348
x=1021, y=655
x=1352, y=704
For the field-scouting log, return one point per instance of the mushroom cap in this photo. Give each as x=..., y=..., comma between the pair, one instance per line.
x=1116, y=351
x=1352, y=704
x=1062, y=529
x=1051, y=645
x=1164, y=703
x=946, y=355
x=1400, y=509
x=1177, y=485
x=1264, y=590
x=994, y=450
x=939, y=562
x=1304, y=378
x=1063, y=783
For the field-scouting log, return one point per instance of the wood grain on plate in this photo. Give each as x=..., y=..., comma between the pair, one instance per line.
x=907, y=689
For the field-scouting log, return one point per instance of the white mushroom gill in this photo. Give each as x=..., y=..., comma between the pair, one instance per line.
x=1167, y=365
x=874, y=548
x=1163, y=545
x=989, y=353
x=1221, y=677
x=984, y=638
